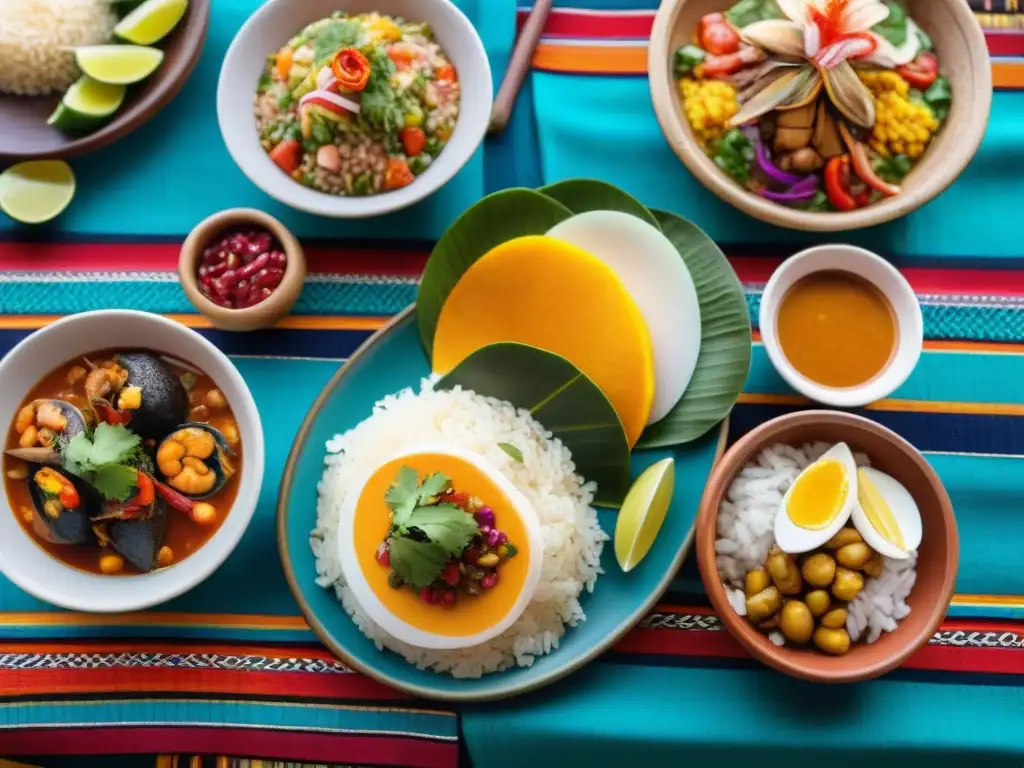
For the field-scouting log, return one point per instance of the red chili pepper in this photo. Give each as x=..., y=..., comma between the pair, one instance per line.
x=109, y=414
x=921, y=72
x=352, y=69
x=717, y=35
x=178, y=501
x=146, y=495
x=837, y=183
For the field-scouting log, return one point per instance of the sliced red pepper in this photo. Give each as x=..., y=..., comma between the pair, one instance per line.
x=837, y=183
x=921, y=72
x=146, y=495
x=715, y=66
x=69, y=496
x=862, y=164
x=109, y=414
x=717, y=35
x=178, y=501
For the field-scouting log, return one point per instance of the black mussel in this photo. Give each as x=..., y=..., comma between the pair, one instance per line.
x=64, y=505
x=41, y=423
x=141, y=391
x=138, y=539
x=195, y=460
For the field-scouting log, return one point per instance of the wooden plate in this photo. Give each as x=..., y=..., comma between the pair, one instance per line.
x=26, y=136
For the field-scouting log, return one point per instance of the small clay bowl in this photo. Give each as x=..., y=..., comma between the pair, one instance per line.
x=937, y=561
x=267, y=312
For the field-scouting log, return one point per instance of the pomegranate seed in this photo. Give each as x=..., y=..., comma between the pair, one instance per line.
x=448, y=601
x=460, y=499
x=502, y=538
x=427, y=595
x=488, y=581
x=451, y=574
x=471, y=555
x=383, y=554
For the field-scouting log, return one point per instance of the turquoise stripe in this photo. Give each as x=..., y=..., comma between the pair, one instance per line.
x=236, y=635
x=384, y=721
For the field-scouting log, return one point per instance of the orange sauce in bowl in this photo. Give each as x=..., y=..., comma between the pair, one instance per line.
x=471, y=614
x=836, y=329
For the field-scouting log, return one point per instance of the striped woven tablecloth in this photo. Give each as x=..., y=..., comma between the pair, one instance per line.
x=232, y=669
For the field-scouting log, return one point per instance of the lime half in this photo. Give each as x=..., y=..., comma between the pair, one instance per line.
x=118, y=64
x=86, y=104
x=151, y=22
x=643, y=512
x=36, y=191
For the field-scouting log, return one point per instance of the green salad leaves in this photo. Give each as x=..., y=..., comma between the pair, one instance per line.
x=380, y=104
x=733, y=153
x=748, y=11
x=107, y=459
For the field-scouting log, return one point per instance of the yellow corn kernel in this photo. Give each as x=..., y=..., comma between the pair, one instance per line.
x=130, y=399
x=899, y=148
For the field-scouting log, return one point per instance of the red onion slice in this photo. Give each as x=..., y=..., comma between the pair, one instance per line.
x=324, y=78
x=331, y=101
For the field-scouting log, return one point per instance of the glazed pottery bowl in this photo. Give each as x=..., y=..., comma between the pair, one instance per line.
x=938, y=554
x=41, y=575
x=963, y=56
x=261, y=315
x=887, y=280
x=274, y=24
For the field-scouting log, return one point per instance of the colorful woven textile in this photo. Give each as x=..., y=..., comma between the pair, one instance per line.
x=231, y=669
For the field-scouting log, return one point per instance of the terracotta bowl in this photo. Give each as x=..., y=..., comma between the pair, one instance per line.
x=267, y=312
x=26, y=136
x=937, y=561
x=963, y=55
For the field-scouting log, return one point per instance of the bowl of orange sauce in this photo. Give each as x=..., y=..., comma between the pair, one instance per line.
x=841, y=325
x=475, y=611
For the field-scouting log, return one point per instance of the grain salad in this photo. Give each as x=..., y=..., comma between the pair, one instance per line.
x=357, y=105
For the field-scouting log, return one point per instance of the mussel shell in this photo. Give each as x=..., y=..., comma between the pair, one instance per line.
x=138, y=540
x=164, y=399
x=77, y=421
x=73, y=526
x=215, y=462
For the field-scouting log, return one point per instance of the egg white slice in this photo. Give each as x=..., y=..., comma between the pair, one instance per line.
x=795, y=539
x=904, y=511
x=660, y=283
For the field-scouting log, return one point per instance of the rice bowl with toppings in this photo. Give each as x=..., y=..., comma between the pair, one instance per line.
x=540, y=469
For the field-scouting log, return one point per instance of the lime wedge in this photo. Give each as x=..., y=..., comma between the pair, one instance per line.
x=151, y=22
x=86, y=104
x=643, y=512
x=118, y=64
x=36, y=191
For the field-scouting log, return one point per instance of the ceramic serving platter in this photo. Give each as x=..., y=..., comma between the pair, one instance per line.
x=390, y=361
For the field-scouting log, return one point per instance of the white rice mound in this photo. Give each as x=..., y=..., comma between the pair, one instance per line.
x=573, y=539
x=35, y=38
x=745, y=534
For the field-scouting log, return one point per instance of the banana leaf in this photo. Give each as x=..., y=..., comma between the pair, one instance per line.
x=582, y=195
x=725, y=346
x=565, y=402
x=495, y=219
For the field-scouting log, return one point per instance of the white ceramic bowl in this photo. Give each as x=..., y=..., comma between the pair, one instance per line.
x=26, y=563
x=274, y=24
x=886, y=278
x=402, y=630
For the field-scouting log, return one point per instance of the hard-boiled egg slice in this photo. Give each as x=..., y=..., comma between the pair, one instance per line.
x=886, y=515
x=819, y=502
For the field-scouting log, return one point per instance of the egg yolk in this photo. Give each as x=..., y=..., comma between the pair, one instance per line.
x=818, y=494
x=878, y=511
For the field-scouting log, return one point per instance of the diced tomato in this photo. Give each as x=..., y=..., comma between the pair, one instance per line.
x=921, y=72
x=146, y=494
x=287, y=155
x=413, y=139
x=398, y=174
x=403, y=54
x=69, y=496
x=717, y=36
x=445, y=74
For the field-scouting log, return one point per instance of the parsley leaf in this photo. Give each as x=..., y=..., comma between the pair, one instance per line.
x=512, y=451
x=434, y=485
x=746, y=12
x=379, y=104
x=894, y=27
x=733, y=152
x=333, y=37
x=115, y=481
x=403, y=495
x=446, y=525
x=77, y=453
x=939, y=98
x=418, y=563
x=112, y=444
x=893, y=169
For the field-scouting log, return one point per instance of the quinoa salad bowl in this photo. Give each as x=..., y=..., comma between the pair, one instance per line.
x=351, y=108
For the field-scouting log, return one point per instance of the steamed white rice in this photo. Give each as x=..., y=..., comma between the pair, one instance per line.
x=745, y=534
x=573, y=539
x=36, y=37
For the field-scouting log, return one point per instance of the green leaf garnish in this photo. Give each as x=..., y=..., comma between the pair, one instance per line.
x=894, y=27
x=446, y=525
x=116, y=481
x=403, y=495
x=418, y=563
x=433, y=486
x=112, y=444
x=108, y=459
x=512, y=451
x=513, y=550
x=746, y=12
x=939, y=98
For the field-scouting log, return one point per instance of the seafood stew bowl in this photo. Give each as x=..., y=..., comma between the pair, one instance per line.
x=937, y=561
x=274, y=24
x=41, y=574
x=963, y=54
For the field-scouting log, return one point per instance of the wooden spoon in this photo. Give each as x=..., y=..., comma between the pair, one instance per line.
x=519, y=65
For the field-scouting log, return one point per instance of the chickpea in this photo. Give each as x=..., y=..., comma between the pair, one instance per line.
x=844, y=537
x=764, y=604
x=230, y=431
x=819, y=570
x=215, y=399
x=111, y=564
x=834, y=641
x=165, y=556
x=818, y=601
x=874, y=566
x=784, y=573
x=18, y=473
x=204, y=513
x=756, y=581
x=28, y=437
x=847, y=585
x=853, y=555
x=27, y=514
x=834, y=619
x=199, y=413
x=75, y=375
x=796, y=622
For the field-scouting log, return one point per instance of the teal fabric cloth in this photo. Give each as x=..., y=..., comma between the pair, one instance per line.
x=605, y=127
x=174, y=171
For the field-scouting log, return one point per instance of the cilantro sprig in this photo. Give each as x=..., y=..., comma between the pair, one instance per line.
x=106, y=459
x=425, y=532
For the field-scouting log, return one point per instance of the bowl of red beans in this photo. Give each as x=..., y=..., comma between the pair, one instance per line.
x=242, y=269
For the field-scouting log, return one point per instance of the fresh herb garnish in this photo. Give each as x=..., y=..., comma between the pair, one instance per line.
x=733, y=153
x=819, y=203
x=417, y=563
x=939, y=98
x=105, y=459
x=924, y=40
x=893, y=169
x=748, y=11
x=379, y=104
x=894, y=27
x=332, y=37
x=686, y=59
x=512, y=451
